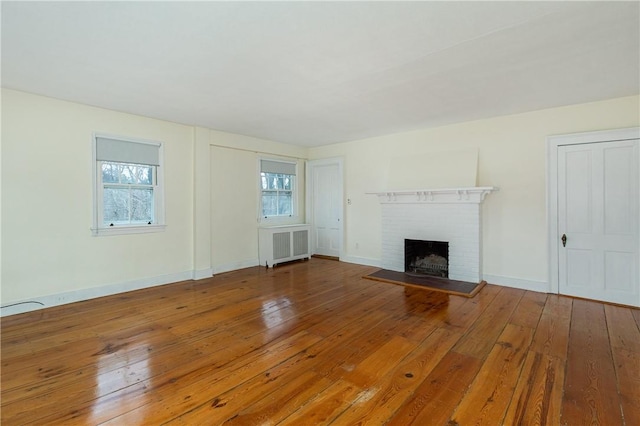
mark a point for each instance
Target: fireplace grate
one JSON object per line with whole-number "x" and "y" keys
{"x": 427, "y": 258}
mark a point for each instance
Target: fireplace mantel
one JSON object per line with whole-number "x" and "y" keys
{"x": 471, "y": 195}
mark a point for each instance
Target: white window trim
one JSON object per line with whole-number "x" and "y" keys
{"x": 279, "y": 220}
{"x": 97, "y": 228}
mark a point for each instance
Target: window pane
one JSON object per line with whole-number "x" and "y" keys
{"x": 284, "y": 204}
{"x": 142, "y": 205}
{"x": 116, "y": 205}
{"x": 281, "y": 179}
{"x": 144, "y": 175}
{"x": 269, "y": 203}
{"x": 110, "y": 172}
{"x": 127, "y": 205}
{"x": 287, "y": 182}
{"x": 272, "y": 181}
{"x": 126, "y": 175}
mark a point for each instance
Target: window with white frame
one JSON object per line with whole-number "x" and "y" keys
{"x": 128, "y": 192}
{"x": 277, "y": 185}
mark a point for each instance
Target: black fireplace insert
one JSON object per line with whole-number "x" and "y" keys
{"x": 426, "y": 257}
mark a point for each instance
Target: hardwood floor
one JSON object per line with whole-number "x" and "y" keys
{"x": 314, "y": 343}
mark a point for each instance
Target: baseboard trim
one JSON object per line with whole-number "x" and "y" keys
{"x": 322, "y": 256}
{"x": 539, "y": 286}
{"x": 361, "y": 261}
{"x": 42, "y": 302}
{"x": 228, "y": 267}
{"x": 202, "y": 274}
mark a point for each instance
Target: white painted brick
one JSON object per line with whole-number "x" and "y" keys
{"x": 458, "y": 224}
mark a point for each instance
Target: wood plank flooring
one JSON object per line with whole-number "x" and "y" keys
{"x": 315, "y": 343}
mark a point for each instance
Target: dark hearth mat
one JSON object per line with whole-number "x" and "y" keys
{"x": 459, "y": 288}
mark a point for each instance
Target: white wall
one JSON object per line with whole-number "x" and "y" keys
{"x": 235, "y": 196}
{"x": 211, "y": 201}
{"x": 48, "y": 252}
{"x": 47, "y": 205}
{"x": 511, "y": 155}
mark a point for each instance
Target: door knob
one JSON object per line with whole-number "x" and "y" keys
{"x": 564, "y": 240}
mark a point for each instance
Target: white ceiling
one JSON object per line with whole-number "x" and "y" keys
{"x": 314, "y": 73}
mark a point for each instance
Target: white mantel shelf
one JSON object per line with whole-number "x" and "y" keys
{"x": 472, "y": 195}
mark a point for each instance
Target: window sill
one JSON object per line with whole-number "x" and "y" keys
{"x": 127, "y": 229}
{"x": 279, "y": 220}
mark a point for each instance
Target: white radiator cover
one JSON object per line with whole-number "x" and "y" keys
{"x": 278, "y": 244}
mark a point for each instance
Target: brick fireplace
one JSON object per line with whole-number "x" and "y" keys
{"x": 451, "y": 215}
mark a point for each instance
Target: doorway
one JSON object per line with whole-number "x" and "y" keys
{"x": 594, "y": 187}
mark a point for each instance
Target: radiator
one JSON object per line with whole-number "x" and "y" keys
{"x": 278, "y": 244}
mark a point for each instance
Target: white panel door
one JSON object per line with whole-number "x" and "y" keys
{"x": 326, "y": 207}
{"x": 598, "y": 188}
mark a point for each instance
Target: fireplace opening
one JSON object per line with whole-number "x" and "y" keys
{"x": 426, "y": 257}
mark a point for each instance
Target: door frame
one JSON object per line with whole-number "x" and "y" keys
{"x": 309, "y": 208}
{"x": 553, "y": 144}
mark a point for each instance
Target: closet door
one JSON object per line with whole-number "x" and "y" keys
{"x": 598, "y": 215}
{"x": 325, "y": 199}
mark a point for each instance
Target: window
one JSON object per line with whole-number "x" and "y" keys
{"x": 128, "y": 194}
{"x": 277, "y": 185}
